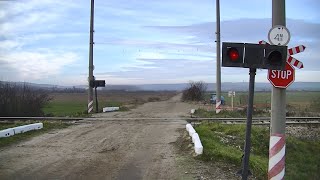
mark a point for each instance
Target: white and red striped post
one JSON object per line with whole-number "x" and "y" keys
{"x": 90, "y": 107}
{"x": 218, "y": 107}
{"x": 277, "y": 149}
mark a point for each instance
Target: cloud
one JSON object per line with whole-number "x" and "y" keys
{"x": 251, "y": 30}
{"x": 137, "y": 41}
{"x": 167, "y": 70}
{"x": 182, "y": 59}
{"x": 28, "y": 65}
{"x": 26, "y": 52}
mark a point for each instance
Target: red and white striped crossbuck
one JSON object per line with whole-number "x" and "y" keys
{"x": 291, "y": 60}
{"x": 296, "y": 50}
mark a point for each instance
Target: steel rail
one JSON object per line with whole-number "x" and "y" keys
{"x": 256, "y": 120}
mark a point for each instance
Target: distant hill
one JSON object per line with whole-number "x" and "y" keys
{"x": 238, "y": 86}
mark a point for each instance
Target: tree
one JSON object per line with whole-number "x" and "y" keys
{"x": 21, "y": 100}
{"x": 195, "y": 91}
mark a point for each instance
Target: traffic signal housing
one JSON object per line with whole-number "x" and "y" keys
{"x": 100, "y": 83}
{"x": 275, "y": 57}
{"x": 97, "y": 83}
{"x": 249, "y": 55}
{"x": 232, "y": 54}
{"x": 254, "y": 55}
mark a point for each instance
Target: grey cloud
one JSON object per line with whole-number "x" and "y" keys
{"x": 171, "y": 69}
{"x": 203, "y": 35}
{"x": 151, "y": 44}
{"x": 249, "y": 29}
{"x": 168, "y": 69}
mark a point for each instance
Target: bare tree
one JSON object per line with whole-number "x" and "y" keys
{"x": 21, "y": 100}
{"x": 195, "y": 91}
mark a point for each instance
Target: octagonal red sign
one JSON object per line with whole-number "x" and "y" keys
{"x": 282, "y": 79}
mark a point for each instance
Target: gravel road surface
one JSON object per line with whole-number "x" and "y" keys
{"x": 105, "y": 149}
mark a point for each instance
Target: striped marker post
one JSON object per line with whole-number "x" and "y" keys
{"x": 90, "y": 106}
{"x": 218, "y": 107}
{"x": 277, "y": 149}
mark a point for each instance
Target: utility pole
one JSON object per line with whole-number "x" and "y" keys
{"x": 91, "y": 78}
{"x": 278, "y": 109}
{"x": 247, "y": 146}
{"x": 218, "y": 74}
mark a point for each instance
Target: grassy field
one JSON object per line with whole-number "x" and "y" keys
{"x": 75, "y": 104}
{"x": 299, "y": 103}
{"x": 300, "y": 98}
{"x": 47, "y": 126}
{"x": 224, "y": 143}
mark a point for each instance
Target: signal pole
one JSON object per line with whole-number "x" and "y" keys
{"x": 218, "y": 70}
{"x": 278, "y": 110}
{"x": 278, "y": 101}
{"x": 90, "y": 78}
{"x": 247, "y": 145}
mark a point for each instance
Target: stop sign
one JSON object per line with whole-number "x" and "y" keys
{"x": 281, "y": 79}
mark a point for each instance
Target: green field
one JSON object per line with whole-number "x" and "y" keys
{"x": 69, "y": 108}
{"x": 293, "y": 97}
{"x": 224, "y": 143}
{"x": 69, "y": 104}
{"x": 297, "y": 99}
{"x": 75, "y": 104}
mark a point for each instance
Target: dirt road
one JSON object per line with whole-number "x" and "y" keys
{"x": 124, "y": 149}
{"x": 111, "y": 148}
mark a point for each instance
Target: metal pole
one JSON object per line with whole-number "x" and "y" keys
{"x": 96, "y": 94}
{"x": 218, "y": 75}
{"x": 90, "y": 78}
{"x": 278, "y": 101}
{"x": 247, "y": 146}
{"x": 278, "y": 98}
{"x": 232, "y": 102}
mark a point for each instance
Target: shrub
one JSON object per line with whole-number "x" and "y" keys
{"x": 21, "y": 100}
{"x": 195, "y": 91}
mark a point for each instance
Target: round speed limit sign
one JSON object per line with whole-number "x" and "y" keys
{"x": 279, "y": 35}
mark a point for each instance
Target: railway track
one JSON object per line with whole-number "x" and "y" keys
{"x": 197, "y": 120}
{"x": 259, "y": 120}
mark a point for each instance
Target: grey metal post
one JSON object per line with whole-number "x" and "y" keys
{"x": 278, "y": 99}
{"x": 232, "y": 101}
{"x": 90, "y": 78}
{"x": 218, "y": 74}
{"x": 245, "y": 162}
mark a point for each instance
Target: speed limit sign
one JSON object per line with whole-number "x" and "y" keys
{"x": 279, "y": 35}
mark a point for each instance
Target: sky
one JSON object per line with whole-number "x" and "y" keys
{"x": 143, "y": 41}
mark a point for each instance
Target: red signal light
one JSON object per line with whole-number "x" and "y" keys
{"x": 233, "y": 54}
